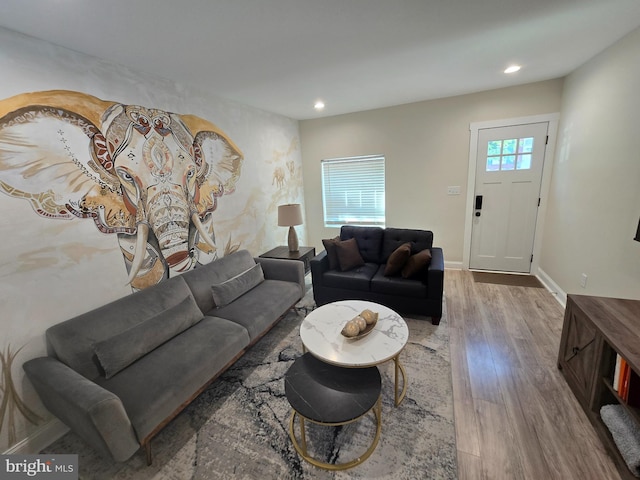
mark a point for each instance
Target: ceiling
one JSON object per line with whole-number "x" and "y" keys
{"x": 283, "y": 55}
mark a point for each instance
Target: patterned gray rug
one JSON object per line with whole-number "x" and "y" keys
{"x": 237, "y": 429}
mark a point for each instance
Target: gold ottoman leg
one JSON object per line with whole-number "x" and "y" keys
{"x": 301, "y": 447}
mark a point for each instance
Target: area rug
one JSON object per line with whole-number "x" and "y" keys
{"x": 510, "y": 279}
{"x": 238, "y": 427}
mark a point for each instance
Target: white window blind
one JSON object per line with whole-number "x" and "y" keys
{"x": 353, "y": 191}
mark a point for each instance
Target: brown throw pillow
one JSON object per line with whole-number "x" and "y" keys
{"x": 348, "y": 254}
{"x": 330, "y": 247}
{"x": 397, "y": 260}
{"x": 416, "y": 263}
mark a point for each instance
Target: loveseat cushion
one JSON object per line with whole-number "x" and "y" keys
{"x": 124, "y": 348}
{"x": 397, "y": 260}
{"x": 416, "y": 264}
{"x": 156, "y": 385}
{"x": 394, "y": 237}
{"x": 369, "y": 240}
{"x": 227, "y": 291}
{"x": 401, "y": 287}
{"x": 330, "y": 246}
{"x": 356, "y": 279}
{"x": 348, "y": 255}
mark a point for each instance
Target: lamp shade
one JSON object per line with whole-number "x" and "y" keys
{"x": 289, "y": 215}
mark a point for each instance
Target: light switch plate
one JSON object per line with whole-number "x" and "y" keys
{"x": 453, "y": 190}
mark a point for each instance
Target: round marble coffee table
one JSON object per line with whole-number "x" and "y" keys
{"x": 320, "y": 335}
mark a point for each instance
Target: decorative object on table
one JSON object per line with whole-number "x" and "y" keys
{"x": 361, "y": 325}
{"x": 290, "y": 215}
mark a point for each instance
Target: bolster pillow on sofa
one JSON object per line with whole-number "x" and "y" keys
{"x": 226, "y": 292}
{"x": 118, "y": 352}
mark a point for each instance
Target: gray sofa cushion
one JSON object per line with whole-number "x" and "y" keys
{"x": 257, "y": 309}
{"x": 227, "y": 291}
{"x": 203, "y": 277}
{"x": 124, "y": 348}
{"x": 72, "y": 341}
{"x": 155, "y": 386}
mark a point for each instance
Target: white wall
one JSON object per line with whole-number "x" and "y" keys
{"x": 426, "y": 146}
{"x": 594, "y": 203}
{"x": 51, "y": 269}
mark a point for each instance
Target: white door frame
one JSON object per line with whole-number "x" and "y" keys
{"x": 553, "y": 119}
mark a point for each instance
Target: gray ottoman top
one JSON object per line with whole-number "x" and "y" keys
{"x": 325, "y": 393}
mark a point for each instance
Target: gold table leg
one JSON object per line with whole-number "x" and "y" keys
{"x": 301, "y": 447}
{"x": 399, "y": 367}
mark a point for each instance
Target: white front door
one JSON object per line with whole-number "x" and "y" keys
{"x": 507, "y": 196}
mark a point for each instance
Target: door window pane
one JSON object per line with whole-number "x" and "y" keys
{"x": 524, "y": 162}
{"x": 509, "y": 146}
{"x": 494, "y": 147}
{"x": 508, "y": 162}
{"x": 493, "y": 164}
{"x": 525, "y": 145}
{"x": 501, "y": 154}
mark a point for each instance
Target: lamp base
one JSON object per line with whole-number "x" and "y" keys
{"x": 292, "y": 240}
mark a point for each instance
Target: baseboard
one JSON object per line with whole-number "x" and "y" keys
{"x": 453, "y": 265}
{"x": 553, "y": 287}
{"x": 40, "y": 439}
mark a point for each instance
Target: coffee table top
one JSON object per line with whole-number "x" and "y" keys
{"x": 320, "y": 334}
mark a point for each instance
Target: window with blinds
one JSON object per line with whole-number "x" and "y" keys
{"x": 353, "y": 191}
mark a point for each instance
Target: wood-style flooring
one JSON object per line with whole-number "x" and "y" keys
{"x": 515, "y": 415}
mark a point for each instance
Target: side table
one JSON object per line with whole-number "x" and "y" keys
{"x": 304, "y": 254}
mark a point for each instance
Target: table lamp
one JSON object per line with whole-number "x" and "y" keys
{"x": 290, "y": 215}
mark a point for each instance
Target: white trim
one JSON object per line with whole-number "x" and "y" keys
{"x": 553, "y": 287}
{"x": 453, "y": 265}
{"x": 39, "y": 439}
{"x": 549, "y": 156}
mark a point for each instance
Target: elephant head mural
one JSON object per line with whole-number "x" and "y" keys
{"x": 151, "y": 177}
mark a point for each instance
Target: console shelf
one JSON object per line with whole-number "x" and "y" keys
{"x": 596, "y": 330}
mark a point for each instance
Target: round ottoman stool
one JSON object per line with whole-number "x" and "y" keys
{"x": 328, "y": 395}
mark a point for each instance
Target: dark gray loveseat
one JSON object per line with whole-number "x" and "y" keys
{"x": 421, "y": 294}
{"x": 118, "y": 374}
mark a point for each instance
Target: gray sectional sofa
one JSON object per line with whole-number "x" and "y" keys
{"x": 118, "y": 374}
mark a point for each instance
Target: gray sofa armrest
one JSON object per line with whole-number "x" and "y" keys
{"x": 285, "y": 270}
{"x": 92, "y": 412}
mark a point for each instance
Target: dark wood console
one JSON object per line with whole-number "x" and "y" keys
{"x": 596, "y": 330}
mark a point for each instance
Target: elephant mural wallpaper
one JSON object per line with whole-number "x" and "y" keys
{"x": 149, "y": 177}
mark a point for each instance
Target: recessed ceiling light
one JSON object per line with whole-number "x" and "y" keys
{"x": 319, "y": 105}
{"x": 512, "y": 69}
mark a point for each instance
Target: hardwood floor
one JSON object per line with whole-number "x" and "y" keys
{"x": 515, "y": 415}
